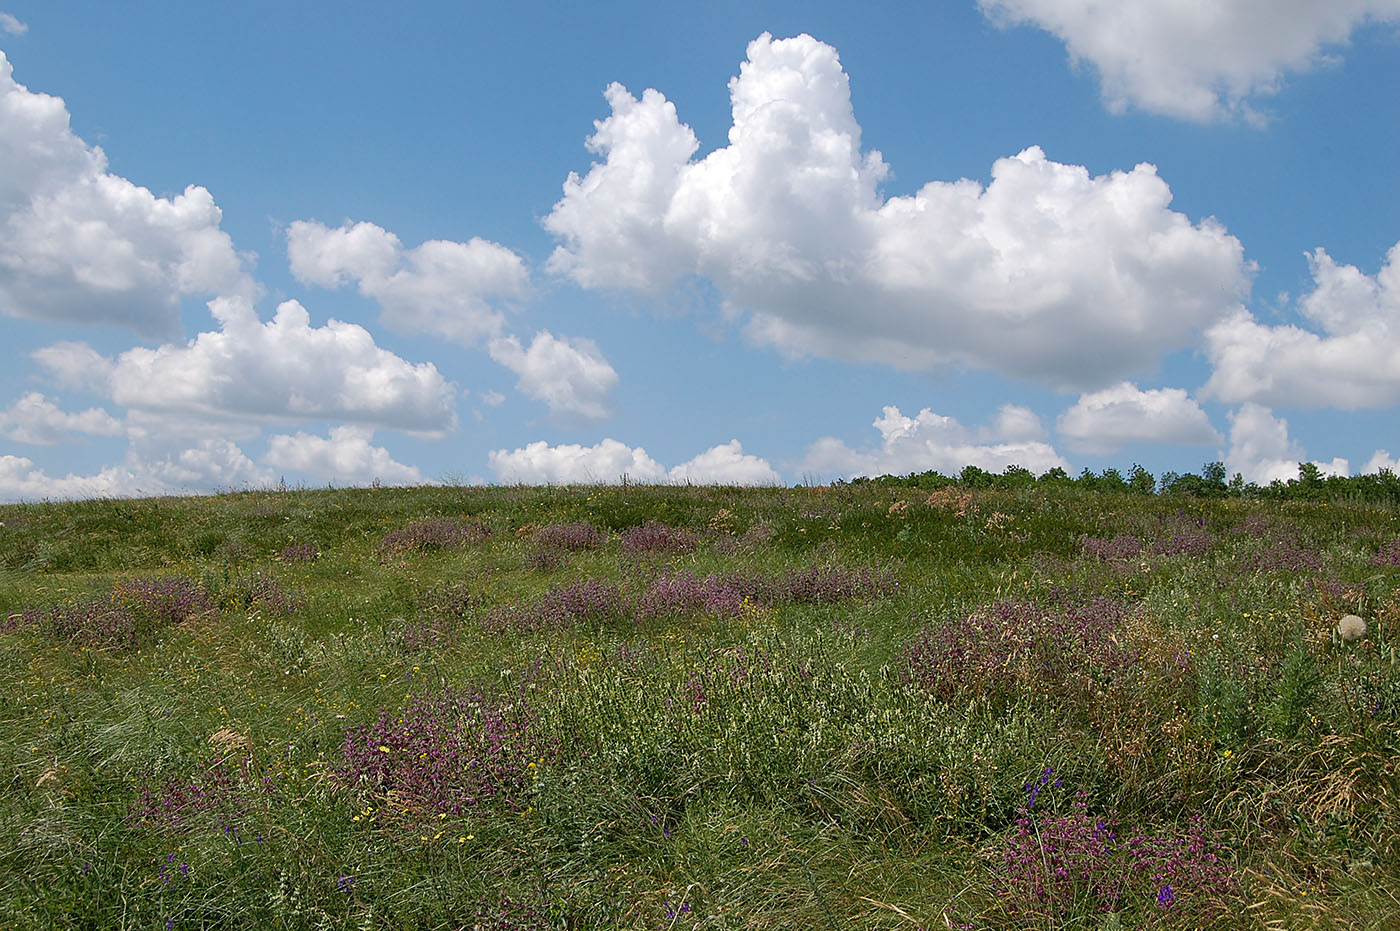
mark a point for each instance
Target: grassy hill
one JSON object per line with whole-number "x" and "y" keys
{"x": 861, "y": 706}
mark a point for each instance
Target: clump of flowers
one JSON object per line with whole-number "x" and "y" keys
{"x": 98, "y": 622}
{"x": 300, "y": 552}
{"x": 165, "y": 600}
{"x": 1015, "y": 645}
{"x": 725, "y": 594}
{"x": 584, "y": 600}
{"x": 1388, "y": 556}
{"x": 121, "y": 617}
{"x": 1119, "y": 546}
{"x": 177, "y": 803}
{"x": 1054, "y": 866}
{"x": 1277, "y": 546}
{"x": 446, "y": 752}
{"x": 260, "y": 592}
{"x": 434, "y": 533}
{"x": 827, "y": 584}
{"x": 576, "y": 536}
{"x": 440, "y": 613}
{"x": 657, "y": 539}
{"x": 680, "y": 593}
{"x": 1281, "y": 555}
{"x": 508, "y": 915}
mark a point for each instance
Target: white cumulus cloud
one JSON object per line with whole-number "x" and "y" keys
{"x": 539, "y": 463}
{"x": 1104, "y": 421}
{"x": 571, "y": 464}
{"x": 284, "y": 370}
{"x": 1262, "y": 451}
{"x": 725, "y": 464}
{"x": 1046, "y": 273}
{"x": 930, "y": 441}
{"x": 22, "y": 480}
{"x": 1353, "y": 363}
{"x": 208, "y": 465}
{"x": 1381, "y": 459}
{"x": 452, "y": 289}
{"x": 571, "y": 376}
{"x": 81, "y": 245}
{"x": 1196, "y": 61}
{"x": 346, "y": 456}
{"x": 36, "y": 420}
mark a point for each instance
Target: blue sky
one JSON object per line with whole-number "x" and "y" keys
{"x": 332, "y": 243}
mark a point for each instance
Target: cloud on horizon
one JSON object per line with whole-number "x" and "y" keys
{"x": 933, "y": 442}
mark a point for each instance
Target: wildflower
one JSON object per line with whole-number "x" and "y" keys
{"x": 1165, "y": 897}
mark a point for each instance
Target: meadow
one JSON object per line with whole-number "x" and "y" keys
{"x": 873, "y": 705}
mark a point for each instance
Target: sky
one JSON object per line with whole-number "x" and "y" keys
{"x": 332, "y": 244}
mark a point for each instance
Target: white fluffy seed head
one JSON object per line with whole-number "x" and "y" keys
{"x": 1351, "y": 628}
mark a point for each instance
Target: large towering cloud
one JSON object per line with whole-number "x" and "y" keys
{"x": 81, "y": 245}
{"x": 451, "y": 289}
{"x": 1046, "y": 273}
{"x": 1197, "y": 61}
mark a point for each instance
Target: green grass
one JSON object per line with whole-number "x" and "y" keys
{"x": 774, "y": 765}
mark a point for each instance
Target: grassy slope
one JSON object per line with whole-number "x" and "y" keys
{"x": 768, "y": 767}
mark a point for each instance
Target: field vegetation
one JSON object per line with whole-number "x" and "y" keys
{"x": 975, "y": 702}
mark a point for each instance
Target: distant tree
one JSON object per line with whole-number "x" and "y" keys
{"x": 1112, "y": 480}
{"x": 1141, "y": 481}
{"x": 973, "y": 477}
{"x": 1213, "y": 479}
{"x": 1017, "y": 477}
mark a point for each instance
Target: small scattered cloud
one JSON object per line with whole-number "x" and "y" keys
{"x": 36, "y": 420}
{"x": 1047, "y": 273}
{"x": 282, "y": 370}
{"x": 79, "y": 245}
{"x": 1353, "y": 363}
{"x": 1196, "y": 61}
{"x": 345, "y": 457}
{"x": 930, "y": 441}
{"x": 571, "y": 376}
{"x": 1102, "y": 422}
{"x": 12, "y": 26}
{"x": 457, "y": 290}
{"x": 1381, "y": 459}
